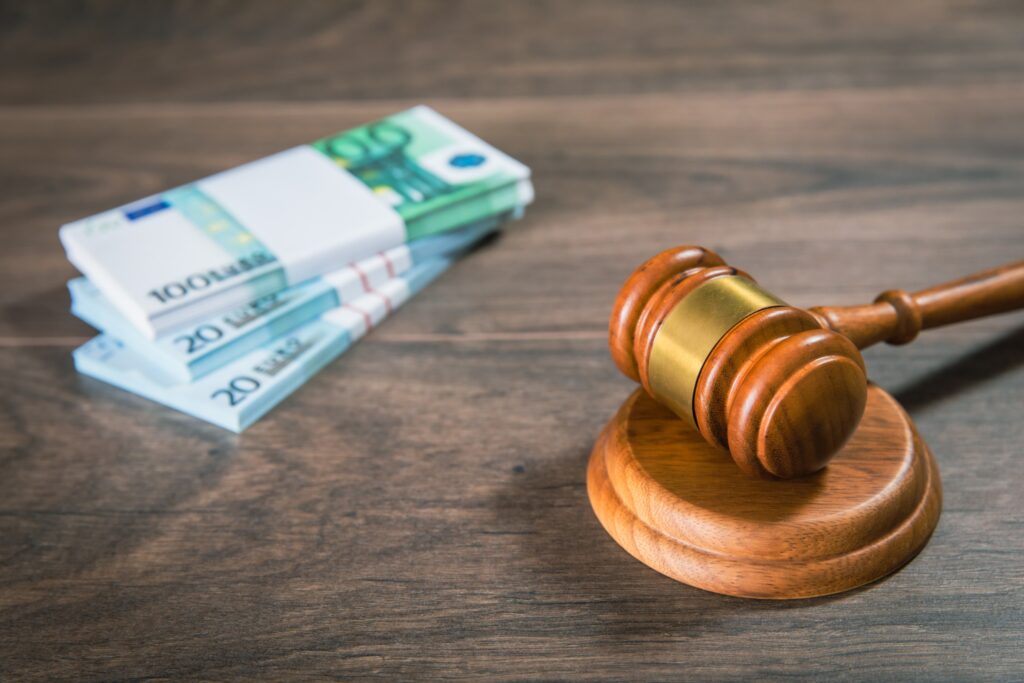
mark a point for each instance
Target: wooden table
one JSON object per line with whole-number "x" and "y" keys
{"x": 418, "y": 509}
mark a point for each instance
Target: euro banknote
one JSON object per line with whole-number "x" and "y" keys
{"x": 180, "y": 256}
{"x": 189, "y": 353}
{"x": 240, "y": 392}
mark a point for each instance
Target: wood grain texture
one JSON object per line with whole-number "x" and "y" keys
{"x": 782, "y": 389}
{"x": 773, "y": 385}
{"x": 418, "y": 510}
{"x": 658, "y": 276}
{"x": 677, "y": 505}
{"x": 897, "y": 316}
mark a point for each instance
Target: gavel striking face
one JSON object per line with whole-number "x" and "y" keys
{"x": 781, "y": 388}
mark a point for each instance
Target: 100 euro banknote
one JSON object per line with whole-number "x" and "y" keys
{"x": 180, "y": 256}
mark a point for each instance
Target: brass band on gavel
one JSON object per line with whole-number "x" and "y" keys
{"x": 691, "y": 331}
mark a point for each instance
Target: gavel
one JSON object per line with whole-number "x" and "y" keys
{"x": 779, "y": 387}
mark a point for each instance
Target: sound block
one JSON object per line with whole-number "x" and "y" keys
{"x": 683, "y": 508}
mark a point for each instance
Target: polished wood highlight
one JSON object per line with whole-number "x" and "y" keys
{"x": 780, "y": 388}
{"x": 897, "y": 317}
{"x": 418, "y": 510}
{"x": 646, "y": 297}
{"x": 668, "y": 498}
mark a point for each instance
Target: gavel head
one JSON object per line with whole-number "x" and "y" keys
{"x": 769, "y": 382}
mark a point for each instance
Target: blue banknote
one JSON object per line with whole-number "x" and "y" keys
{"x": 238, "y": 393}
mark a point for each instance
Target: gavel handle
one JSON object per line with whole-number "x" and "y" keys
{"x": 896, "y": 316}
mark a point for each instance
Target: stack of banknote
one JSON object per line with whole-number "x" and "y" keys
{"x": 221, "y": 297}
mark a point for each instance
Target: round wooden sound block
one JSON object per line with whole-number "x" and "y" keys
{"x": 682, "y": 507}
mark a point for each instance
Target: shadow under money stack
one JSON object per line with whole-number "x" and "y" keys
{"x": 221, "y": 297}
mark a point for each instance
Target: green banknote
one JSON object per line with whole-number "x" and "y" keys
{"x": 435, "y": 174}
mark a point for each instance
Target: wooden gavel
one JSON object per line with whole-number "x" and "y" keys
{"x": 781, "y": 388}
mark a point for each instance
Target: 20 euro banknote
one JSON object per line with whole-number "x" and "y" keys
{"x": 240, "y": 392}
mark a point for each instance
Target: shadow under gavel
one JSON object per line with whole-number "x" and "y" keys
{"x": 779, "y": 387}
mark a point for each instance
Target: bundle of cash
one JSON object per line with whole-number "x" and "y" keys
{"x": 221, "y": 297}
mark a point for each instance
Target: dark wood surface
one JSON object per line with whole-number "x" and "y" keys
{"x": 418, "y": 509}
